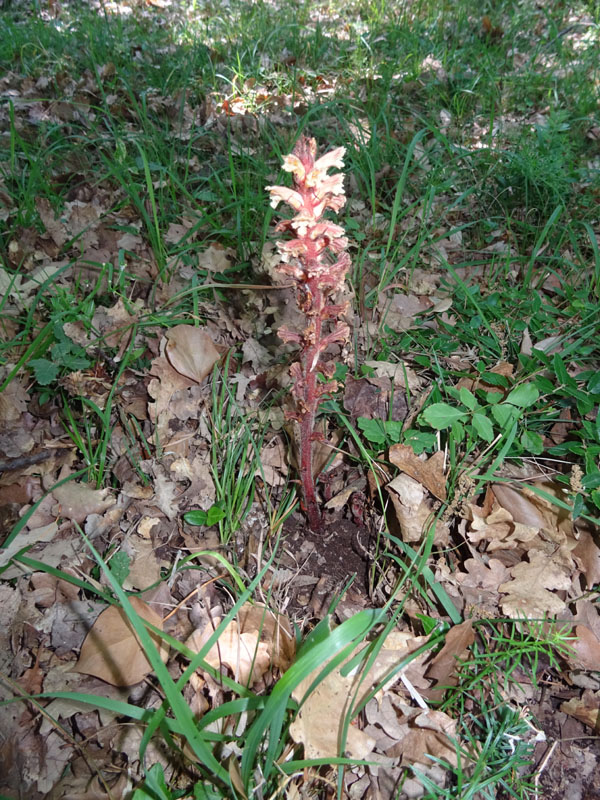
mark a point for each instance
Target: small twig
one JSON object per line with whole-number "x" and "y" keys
{"x": 543, "y": 766}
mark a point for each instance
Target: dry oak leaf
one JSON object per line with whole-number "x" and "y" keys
{"x": 429, "y": 733}
{"x": 479, "y": 584}
{"x": 191, "y": 351}
{"x": 252, "y": 643}
{"x": 111, "y": 650}
{"x": 500, "y": 531}
{"x": 77, "y": 500}
{"x": 429, "y": 472}
{"x": 528, "y": 592}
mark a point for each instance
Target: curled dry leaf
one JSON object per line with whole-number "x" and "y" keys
{"x": 251, "y": 644}
{"x": 586, "y": 709}
{"x": 521, "y": 509}
{"x": 443, "y": 667}
{"x": 429, "y": 472}
{"x": 191, "y": 351}
{"x": 414, "y": 511}
{"x": 500, "y": 531}
{"x": 111, "y": 650}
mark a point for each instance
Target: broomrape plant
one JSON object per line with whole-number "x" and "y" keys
{"x": 314, "y": 257}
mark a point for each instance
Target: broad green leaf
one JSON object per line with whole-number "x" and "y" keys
{"x": 420, "y": 441}
{"x": 196, "y": 517}
{"x": 532, "y": 443}
{"x": 483, "y": 426}
{"x": 523, "y": 396}
{"x": 504, "y": 414}
{"x": 45, "y": 371}
{"x": 372, "y": 430}
{"x": 591, "y": 480}
{"x": 441, "y": 416}
{"x": 215, "y": 514}
{"x": 467, "y": 398}
{"x": 494, "y": 379}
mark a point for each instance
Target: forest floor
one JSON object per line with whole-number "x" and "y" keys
{"x": 170, "y": 627}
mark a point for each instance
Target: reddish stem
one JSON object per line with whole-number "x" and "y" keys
{"x": 311, "y": 401}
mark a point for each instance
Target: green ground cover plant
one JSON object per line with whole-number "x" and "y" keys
{"x": 147, "y": 329}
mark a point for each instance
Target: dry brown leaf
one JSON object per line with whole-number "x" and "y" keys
{"x": 111, "y": 650}
{"x": 273, "y": 460}
{"x": 191, "y": 351}
{"x": 586, "y": 648}
{"x": 144, "y": 566}
{"x": 443, "y": 667}
{"x": 528, "y": 592}
{"x": 520, "y": 508}
{"x": 429, "y": 472}
{"x": 587, "y": 556}
{"x": 500, "y": 531}
{"x": 586, "y": 709}
{"x": 321, "y": 714}
{"x": 77, "y": 500}
{"x": 256, "y": 641}
{"x": 26, "y": 538}
{"x": 429, "y": 733}
{"x": 479, "y": 585}
{"x": 414, "y": 511}
{"x": 401, "y": 375}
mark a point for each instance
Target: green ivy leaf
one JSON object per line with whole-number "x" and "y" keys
{"x": 441, "y": 416}
{"x": 523, "y": 396}
{"x": 484, "y": 427}
{"x": 45, "y": 371}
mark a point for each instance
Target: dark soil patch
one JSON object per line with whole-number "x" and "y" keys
{"x": 326, "y": 563}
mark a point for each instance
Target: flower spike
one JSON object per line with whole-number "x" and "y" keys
{"x": 315, "y": 258}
